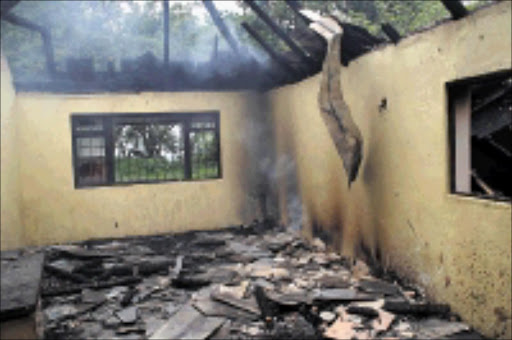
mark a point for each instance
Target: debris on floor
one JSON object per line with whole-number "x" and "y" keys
{"x": 254, "y": 282}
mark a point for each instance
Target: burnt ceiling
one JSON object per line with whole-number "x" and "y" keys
{"x": 148, "y": 73}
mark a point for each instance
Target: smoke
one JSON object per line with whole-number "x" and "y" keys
{"x": 270, "y": 174}
{"x": 109, "y": 32}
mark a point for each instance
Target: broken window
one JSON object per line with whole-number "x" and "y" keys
{"x": 481, "y": 135}
{"x": 145, "y": 148}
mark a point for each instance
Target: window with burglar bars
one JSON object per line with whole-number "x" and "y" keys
{"x": 145, "y": 148}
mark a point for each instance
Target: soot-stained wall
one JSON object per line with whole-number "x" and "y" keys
{"x": 400, "y": 208}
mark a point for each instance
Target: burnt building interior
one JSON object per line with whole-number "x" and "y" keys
{"x": 257, "y": 280}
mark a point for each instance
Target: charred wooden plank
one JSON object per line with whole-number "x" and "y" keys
{"x": 127, "y": 298}
{"x": 95, "y": 285}
{"x": 277, "y": 58}
{"x": 221, "y": 26}
{"x": 391, "y": 32}
{"x": 456, "y": 8}
{"x": 281, "y": 34}
{"x": 7, "y": 5}
{"x": 65, "y": 274}
{"x": 45, "y": 35}
{"x": 267, "y": 307}
{"x": 399, "y": 307}
{"x": 296, "y": 7}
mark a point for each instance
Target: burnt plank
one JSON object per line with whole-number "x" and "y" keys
{"x": 19, "y": 285}
{"x": 188, "y": 323}
{"x": 277, "y": 58}
{"x": 456, "y": 8}
{"x": 281, "y": 33}
{"x": 45, "y": 36}
{"x": 391, "y": 32}
{"x": 221, "y": 26}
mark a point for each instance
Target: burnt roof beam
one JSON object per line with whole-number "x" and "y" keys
{"x": 391, "y": 32}
{"x": 221, "y": 26}
{"x": 456, "y": 8}
{"x": 276, "y": 57}
{"x": 45, "y": 35}
{"x": 282, "y": 34}
{"x": 296, "y": 7}
{"x": 7, "y": 5}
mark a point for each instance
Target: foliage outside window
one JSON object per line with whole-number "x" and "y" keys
{"x": 145, "y": 148}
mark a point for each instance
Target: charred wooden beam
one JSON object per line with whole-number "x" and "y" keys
{"x": 276, "y": 57}
{"x": 498, "y": 147}
{"x": 391, "y": 33}
{"x": 456, "y": 8}
{"x": 481, "y": 183}
{"x": 221, "y": 26}
{"x": 493, "y": 97}
{"x": 64, "y": 274}
{"x": 296, "y": 7}
{"x": 7, "y": 5}
{"x": 282, "y": 34}
{"x": 45, "y": 35}
{"x": 74, "y": 289}
{"x": 166, "y": 32}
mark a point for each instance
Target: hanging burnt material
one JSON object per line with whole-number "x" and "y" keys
{"x": 336, "y": 113}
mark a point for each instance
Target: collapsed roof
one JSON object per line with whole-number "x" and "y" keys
{"x": 227, "y": 71}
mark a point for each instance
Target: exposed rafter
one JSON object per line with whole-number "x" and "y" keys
{"x": 7, "y": 5}
{"x": 45, "y": 35}
{"x": 282, "y": 35}
{"x": 221, "y": 26}
{"x": 391, "y": 32}
{"x": 456, "y": 8}
{"x": 296, "y": 7}
{"x": 276, "y": 57}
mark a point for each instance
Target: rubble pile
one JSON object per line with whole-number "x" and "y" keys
{"x": 255, "y": 282}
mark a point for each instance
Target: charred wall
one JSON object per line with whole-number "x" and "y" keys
{"x": 400, "y": 209}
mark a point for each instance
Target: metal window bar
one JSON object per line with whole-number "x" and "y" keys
{"x": 127, "y": 138}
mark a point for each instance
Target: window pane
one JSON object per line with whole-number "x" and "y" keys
{"x": 203, "y": 124}
{"x": 88, "y": 124}
{"x": 146, "y": 152}
{"x": 91, "y": 167}
{"x": 205, "y": 159}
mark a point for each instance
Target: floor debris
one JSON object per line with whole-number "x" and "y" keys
{"x": 250, "y": 282}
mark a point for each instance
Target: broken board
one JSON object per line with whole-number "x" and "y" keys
{"x": 188, "y": 323}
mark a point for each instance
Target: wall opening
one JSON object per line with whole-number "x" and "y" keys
{"x": 145, "y": 148}
{"x": 480, "y": 134}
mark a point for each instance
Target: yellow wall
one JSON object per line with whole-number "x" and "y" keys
{"x": 54, "y": 211}
{"x": 11, "y": 229}
{"x": 400, "y": 207}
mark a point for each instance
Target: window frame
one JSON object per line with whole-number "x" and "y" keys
{"x": 108, "y": 119}
{"x": 455, "y": 90}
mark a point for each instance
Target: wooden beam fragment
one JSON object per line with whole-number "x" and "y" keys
{"x": 391, "y": 32}
{"x": 281, "y": 34}
{"x": 456, "y": 8}
{"x": 277, "y": 58}
{"x": 296, "y": 7}
{"x": 497, "y": 94}
{"x": 45, "y": 35}
{"x": 221, "y": 26}
{"x": 481, "y": 183}
{"x": 7, "y": 5}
